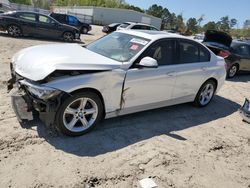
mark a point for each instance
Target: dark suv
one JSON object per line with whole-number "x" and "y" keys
{"x": 71, "y": 20}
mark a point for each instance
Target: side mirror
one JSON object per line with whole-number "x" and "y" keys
{"x": 148, "y": 62}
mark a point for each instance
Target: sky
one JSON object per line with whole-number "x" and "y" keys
{"x": 212, "y": 9}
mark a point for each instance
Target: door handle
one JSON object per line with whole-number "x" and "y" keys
{"x": 171, "y": 73}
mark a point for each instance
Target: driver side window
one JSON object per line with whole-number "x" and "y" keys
{"x": 162, "y": 51}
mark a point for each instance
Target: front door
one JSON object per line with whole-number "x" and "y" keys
{"x": 243, "y": 51}
{"x": 146, "y": 87}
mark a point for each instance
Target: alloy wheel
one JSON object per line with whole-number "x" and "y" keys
{"x": 232, "y": 71}
{"x": 80, "y": 114}
{"x": 67, "y": 36}
{"x": 207, "y": 94}
{"x": 14, "y": 31}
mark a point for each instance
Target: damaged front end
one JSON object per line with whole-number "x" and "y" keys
{"x": 31, "y": 97}
{"x": 245, "y": 111}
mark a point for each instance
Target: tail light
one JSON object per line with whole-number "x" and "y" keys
{"x": 224, "y": 54}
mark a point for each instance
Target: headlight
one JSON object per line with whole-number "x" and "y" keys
{"x": 41, "y": 92}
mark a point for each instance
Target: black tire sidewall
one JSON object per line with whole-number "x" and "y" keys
{"x": 83, "y": 28}
{"x": 59, "y": 115}
{"x": 197, "y": 98}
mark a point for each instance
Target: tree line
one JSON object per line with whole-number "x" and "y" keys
{"x": 170, "y": 21}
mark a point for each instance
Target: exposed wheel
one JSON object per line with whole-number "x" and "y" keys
{"x": 14, "y": 31}
{"x": 68, "y": 36}
{"x": 84, "y": 30}
{"x": 232, "y": 71}
{"x": 79, "y": 114}
{"x": 205, "y": 94}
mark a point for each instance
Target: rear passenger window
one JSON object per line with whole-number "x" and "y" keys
{"x": 204, "y": 54}
{"x": 190, "y": 52}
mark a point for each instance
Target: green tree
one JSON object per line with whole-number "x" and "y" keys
{"x": 246, "y": 24}
{"x": 25, "y": 2}
{"x": 160, "y": 12}
{"x": 210, "y": 26}
{"x": 192, "y": 26}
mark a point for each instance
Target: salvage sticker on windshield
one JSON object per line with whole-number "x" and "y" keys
{"x": 134, "y": 47}
{"x": 139, "y": 41}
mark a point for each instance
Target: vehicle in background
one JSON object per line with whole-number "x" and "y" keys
{"x": 71, "y": 20}
{"x": 121, "y": 73}
{"x": 110, "y": 28}
{"x": 18, "y": 23}
{"x": 136, "y": 26}
{"x": 235, "y": 53}
{"x": 199, "y": 37}
{"x": 170, "y": 31}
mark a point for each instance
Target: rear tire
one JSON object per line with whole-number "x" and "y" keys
{"x": 232, "y": 71}
{"x": 205, "y": 94}
{"x": 84, "y": 30}
{"x": 68, "y": 36}
{"x": 79, "y": 114}
{"x": 14, "y": 31}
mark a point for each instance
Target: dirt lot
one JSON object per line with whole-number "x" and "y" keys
{"x": 179, "y": 146}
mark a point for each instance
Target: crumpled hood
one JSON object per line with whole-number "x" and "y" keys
{"x": 37, "y": 62}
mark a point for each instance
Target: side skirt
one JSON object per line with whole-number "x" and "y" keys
{"x": 151, "y": 106}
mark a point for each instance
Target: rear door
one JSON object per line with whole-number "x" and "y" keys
{"x": 47, "y": 27}
{"x": 243, "y": 51}
{"x": 192, "y": 69}
{"x": 27, "y": 20}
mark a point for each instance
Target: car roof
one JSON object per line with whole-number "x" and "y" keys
{"x": 152, "y": 35}
{"x": 30, "y": 12}
{"x": 135, "y": 23}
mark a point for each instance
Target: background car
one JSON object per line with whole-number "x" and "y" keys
{"x": 110, "y": 28}
{"x": 19, "y": 23}
{"x": 71, "y": 20}
{"x": 236, "y": 53}
{"x": 199, "y": 37}
{"x": 135, "y": 25}
{"x": 121, "y": 73}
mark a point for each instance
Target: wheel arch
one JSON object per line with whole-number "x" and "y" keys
{"x": 214, "y": 80}
{"x": 88, "y": 89}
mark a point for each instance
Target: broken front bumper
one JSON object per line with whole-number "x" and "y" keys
{"x": 26, "y": 105}
{"x": 245, "y": 111}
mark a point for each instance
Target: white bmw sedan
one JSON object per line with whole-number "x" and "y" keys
{"x": 73, "y": 87}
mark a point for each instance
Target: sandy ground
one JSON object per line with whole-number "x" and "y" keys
{"x": 179, "y": 146}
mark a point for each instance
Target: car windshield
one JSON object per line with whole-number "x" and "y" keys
{"x": 118, "y": 46}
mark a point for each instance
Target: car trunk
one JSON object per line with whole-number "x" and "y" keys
{"x": 217, "y": 41}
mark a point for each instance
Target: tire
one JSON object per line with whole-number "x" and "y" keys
{"x": 79, "y": 114}
{"x": 84, "y": 30}
{"x": 68, "y": 36}
{"x": 14, "y": 30}
{"x": 205, "y": 94}
{"x": 232, "y": 71}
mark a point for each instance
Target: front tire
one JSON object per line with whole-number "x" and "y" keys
{"x": 205, "y": 94}
{"x": 79, "y": 114}
{"x": 14, "y": 31}
{"x": 68, "y": 36}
